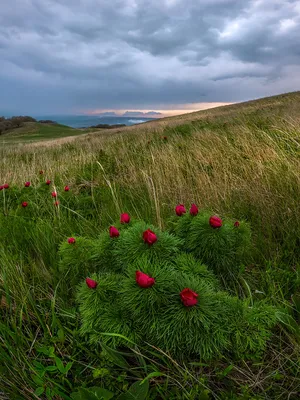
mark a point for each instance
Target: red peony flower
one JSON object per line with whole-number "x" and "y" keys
{"x": 41, "y": 172}
{"x": 27, "y": 184}
{"x": 91, "y": 283}
{"x": 6, "y": 186}
{"x": 149, "y": 237}
{"x": 67, "y": 188}
{"x": 180, "y": 210}
{"x": 54, "y": 194}
{"x": 48, "y": 182}
{"x": 71, "y": 240}
{"x": 188, "y": 297}
{"x": 113, "y": 232}
{"x": 236, "y": 224}
{"x": 1, "y": 187}
{"x": 215, "y": 222}
{"x": 24, "y": 204}
{"x": 144, "y": 280}
{"x": 56, "y": 203}
{"x": 194, "y": 210}
{"x": 125, "y": 218}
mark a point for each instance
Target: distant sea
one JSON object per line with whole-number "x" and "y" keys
{"x": 83, "y": 121}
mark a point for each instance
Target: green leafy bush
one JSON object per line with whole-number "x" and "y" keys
{"x": 152, "y": 291}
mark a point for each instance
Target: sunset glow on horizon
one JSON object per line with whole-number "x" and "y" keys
{"x": 170, "y": 111}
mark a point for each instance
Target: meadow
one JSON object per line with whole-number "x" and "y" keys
{"x": 240, "y": 162}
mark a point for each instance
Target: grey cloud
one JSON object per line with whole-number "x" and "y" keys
{"x": 64, "y": 56}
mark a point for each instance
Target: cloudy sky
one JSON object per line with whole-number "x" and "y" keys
{"x": 76, "y": 56}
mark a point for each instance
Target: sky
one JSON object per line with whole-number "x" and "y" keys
{"x": 89, "y": 56}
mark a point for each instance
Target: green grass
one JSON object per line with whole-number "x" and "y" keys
{"x": 241, "y": 161}
{"x": 34, "y": 132}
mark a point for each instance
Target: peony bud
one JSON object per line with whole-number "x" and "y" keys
{"x": 144, "y": 280}
{"x": 194, "y": 210}
{"x": 71, "y": 240}
{"x": 56, "y": 203}
{"x": 24, "y": 204}
{"x": 113, "y": 232}
{"x": 180, "y": 210}
{"x": 215, "y": 222}
{"x": 125, "y": 218}
{"x": 48, "y": 182}
{"x": 54, "y": 194}
{"x": 149, "y": 237}
{"x": 236, "y": 224}
{"x": 27, "y": 184}
{"x": 91, "y": 283}
{"x": 6, "y": 186}
{"x": 67, "y": 188}
{"x": 188, "y": 297}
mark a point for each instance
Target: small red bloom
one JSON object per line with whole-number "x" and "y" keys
{"x": 91, "y": 283}
{"x": 41, "y": 172}
{"x": 215, "y": 222}
{"x": 48, "y": 182}
{"x": 6, "y": 186}
{"x": 144, "y": 280}
{"x": 149, "y": 237}
{"x": 194, "y": 210}
{"x": 1, "y": 187}
{"x": 125, "y": 218}
{"x": 54, "y": 194}
{"x": 24, "y": 204}
{"x": 27, "y": 184}
{"x": 56, "y": 203}
{"x": 236, "y": 224}
{"x": 67, "y": 188}
{"x": 188, "y": 297}
{"x": 180, "y": 210}
{"x": 71, "y": 240}
{"x": 113, "y": 232}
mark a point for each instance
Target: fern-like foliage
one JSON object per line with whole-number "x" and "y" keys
{"x": 102, "y": 312}
{"x": 131, "y": 245}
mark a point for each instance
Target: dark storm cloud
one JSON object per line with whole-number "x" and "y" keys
{"x": 69, "y": 55}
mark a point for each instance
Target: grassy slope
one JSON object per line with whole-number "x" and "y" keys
{"x": 35, "y": 132}
{"x": 240, "y": 160}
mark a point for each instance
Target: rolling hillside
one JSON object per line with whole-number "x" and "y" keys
{"x": 238, "y": 162}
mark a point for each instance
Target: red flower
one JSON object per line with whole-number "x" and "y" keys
{"x": 91, "y": 283}
{"x": 67, "y": 188}
{"x": 236, "y": 224}
{"x": 194, "y": 210}
{"x": 113, "y": 232}
{"x": 149, "y": 237}
{"x": 41, "y": 172}
{"x": 71, "y": 240}
{"x": 1, "y": 187}
{"x": 27, "y": 184}
{"x": 24, "y": 204}
{"x": 180, "y": 210}
{"x": 188, "y": 297}
{"x": 144, "y": 280}
{"x": 125, "y": 218}
{"x": 48, "y": 182}
{"x": 215, "y": 222}
{"x": 6, "y": 186}
{"x": 56, "y": 203}
{"x": 54, "y": 194}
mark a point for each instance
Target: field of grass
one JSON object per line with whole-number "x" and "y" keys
{"x": 35, "y": 132}
{"x": 240, "y": 161}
